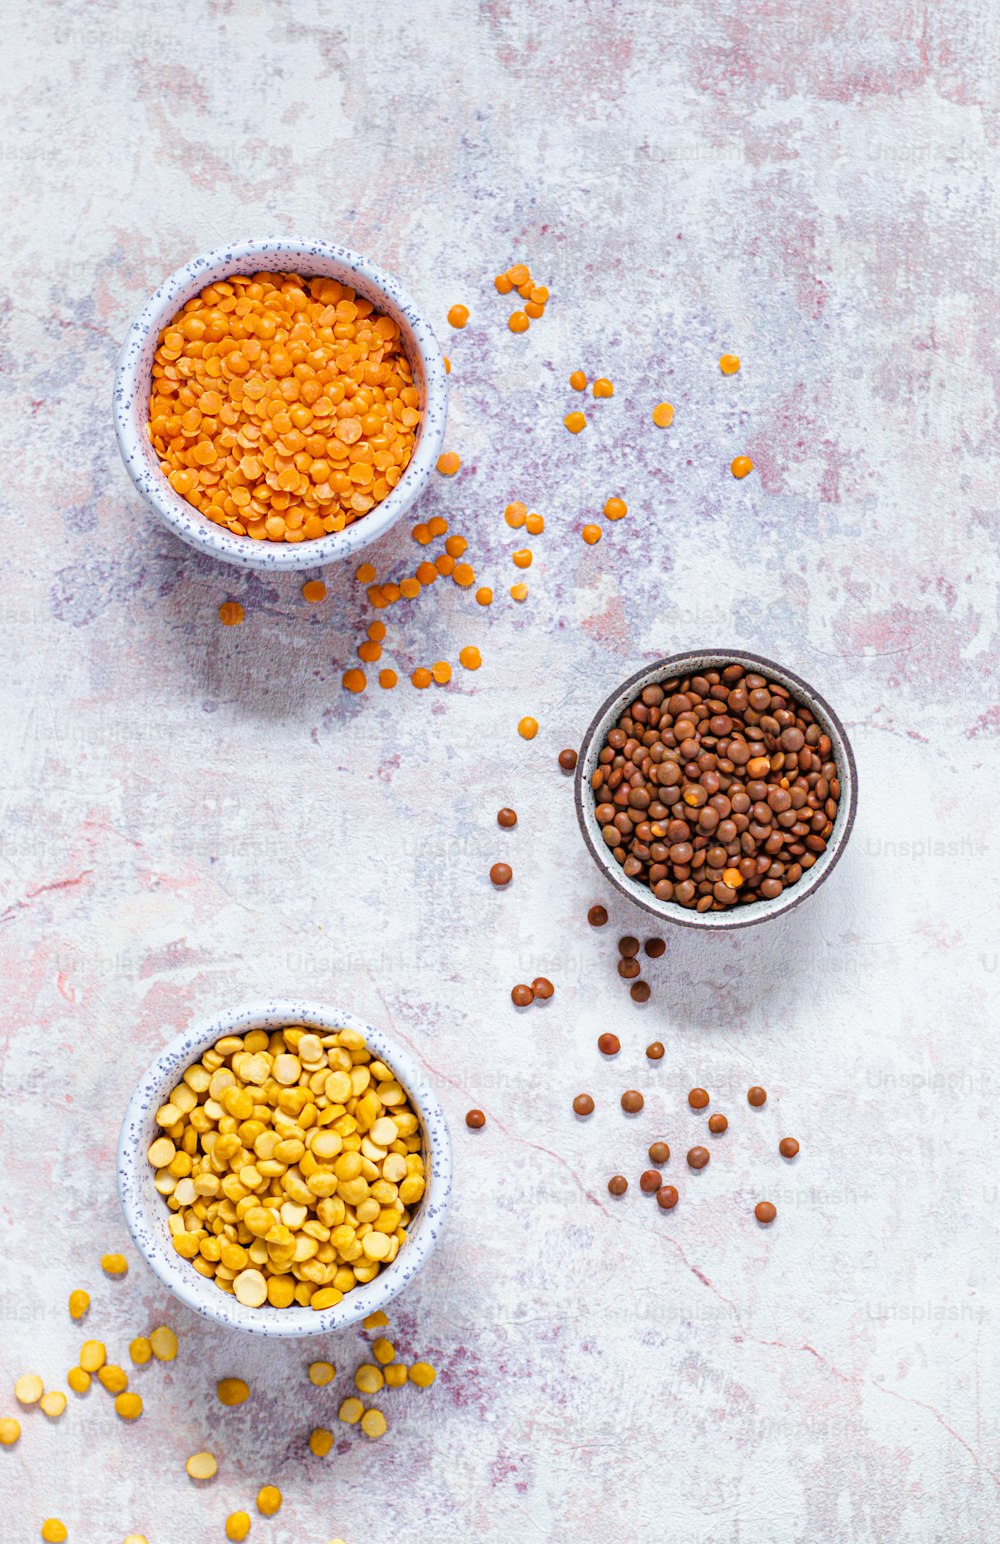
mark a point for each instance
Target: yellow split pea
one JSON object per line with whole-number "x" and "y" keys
{"x": 283, "y": 408}
{"x": 291, "y": 1162}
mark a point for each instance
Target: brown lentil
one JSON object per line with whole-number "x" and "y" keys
{"x": 632, "y": 1101}
{"x": 583, "y": 1104}
{"x": 655, "y": 1051}
{"x": 628, "y": 947}
{"x": 697, "y": 1098}
{"x": 716, "y": 790}
{"x": 617, "y": 1184}
{"x": 659, "y": 1152}
{"x": 698, "y": 1157}
{"x": 567, "y": 760}
{"x": 649, "y": 1181}
{"x": 654, "y": 947}
{"x": 666, "y": 1197}
{"x": 765, "y": 1212}
{"x": 628, "y": 968}
{"x": 788, "y": 1147}
{"x": 542, "y": 988}
{"x": 521, "y": 995}
{"x": 756, "y": 1096}
{"x": 475, "y": 1120}
{"x": 501, "y": 874}
{"x": 597, "y": 916}
{"x": 506, "y": 818}
{"x": 609, "y": 1045}
{"x": 717, "y": 1124}
{"x": 640, "y": 992}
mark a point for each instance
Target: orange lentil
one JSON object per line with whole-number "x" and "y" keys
{"x": 437, "y": 525}
{"x": 575, "y": 422}
{"x": 445, "y": 565}
{"x": 409, "y": 588}
{"x": 519, "y": 274}
{"x": 447, "y": 364}
{"x": 464, "y": 575}
{"x": 422, "y": 534}
{"x": 528, "y": 728}
{"x": 603, "y": 387}
{"x": 390, "y": 593}
{"x": 522, "y": 558}
{"x": 515, "y": 515}
{"x": 524, "y": 290}
{"x": 591, "y": 534}
{"x": 365, "y": 574}
{"x": 426, "y": 573}
{"x": 455, "y": 546}
{"x": 729, "y": 364}
{"x": 448, "y": 463}
{"x": 458, "y": 316}
{"x": 421, "y": 677}
{"x": 282, "y": 407}
{"x": 534, "y": 525}
{"x": 484, "y": 597}
{"x": 533, "y": 309}
{"x": 518, "y": 322}
{"x": 519, "y": 591}
{"x": 578, "y": 381}
{"x": 376, "y": 598}
{"x": 369, "y": 652}
{"x": 441, "y": 671}
{"x": 387, "y": 678}
{"x": 502, "y": 284}
{"x": 741, "y": 466}
{"x": 539, "y": 294}
{"x": 355, "y": 680}
{"x": 376, "y": 631}
{"x": 615, "y": 509}
{"x": 470, "y": 657}
{"x": 663, "y": 415}
{"x": 313, "y": 590}
{"x": 231, "y": 613}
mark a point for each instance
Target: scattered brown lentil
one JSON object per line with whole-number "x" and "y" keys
{"x": 765, "y": 1212}
{"x": 717, "y": 1124}
{"x": 632, "y": 1101}
{"x": 521, "y": 995}
{"x": 628, "y": 947}
{"x": 756, "y": 1096}
{"x": 597, "y": 916}
{"x": 617, "y": 1184}
{"x": 475, "y": 1120}
{"x": 542, "y": 988}
{"x": 506, "y": 818}
{"x": 655, "y": 1051}
{"x": 698, "y": 1157}
{"x": 666, "y": 1197}
{"x": 788, "y": 1147}
{"x": 608, "y": 1045}
{"x": 640, "y": 991}
{"x": 654, "y": 947}
{"x": 697, "y": 1098}
{"x": 501, "y": 874}
{"x": 628, "y": 968}
{"x": 583, "y": 1104}
{"x": 659, "y": 1153}
{"x": 567, "y": 760}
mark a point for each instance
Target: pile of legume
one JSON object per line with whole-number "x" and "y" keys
{"x": 716, "y": 790}
{"x": 282, "y": 407}
{"x": 291, "y": 1163}
{"x": 535, "y": 296}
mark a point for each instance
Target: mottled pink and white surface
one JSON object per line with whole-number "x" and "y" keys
{"x": 194, "y": 816}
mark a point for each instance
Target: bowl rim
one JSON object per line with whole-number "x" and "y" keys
{"x": 176, "y": 1274}
{"x": 666, "y": 911}
{"x": 183, "y": 519}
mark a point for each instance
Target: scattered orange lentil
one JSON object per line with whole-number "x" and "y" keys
{"x": 282, "y": 407}
{"x": 534, "y": 524}
{"x": 437, "y": 525}
{"x": 355, "y": 680}
{"x": 376, "y": 632}
{"x": 522, "y": 558}
{"x": 603, "y": 387}
{"x": 591, "y": 534}
{"x": 426, "y": 573}
{"x": 313, "y": 590}
{"x": 390, "y": 593}
{"x": 741, "y": 466}
{"x": 615, "y": 509}
{"x": 729, "y": 364}
{"x": 458, "y": 316}
{"x": 519, "y": 273}
{"x": 455, "y": 546}
{"x": 448, "y": 463}
{"x": 447, "y": 364}
{"x": 518, "y": 322}
{"x": 365, "y": 574}
{"x": 519, "y": 591}
{"x": 441, "y": 671}
{"x": 578, "y": 380}
{"x": 533, "y": 310}
{"x": 575, "y": 422}
{"x": 539, "y": 294}
{"x": 515, "y": 515}
{"x": 370, "y": 652}
{"x": 524, "y": 290}
{"x": 663, "y": 415}
{"x": 502, "y": 284}
{"x": 484, "y": 597}
{"x": 376, "y": 597}
{"x": 445, "y": 564}
{"x": 464, "y": 575}
{"x": 387, "y": 678}
{"x": 409, "y": 588}
{"x": 231, "y": 613}
{"x": 422, "y": 534}
{"x": 528, "y": 728}
{"x": 469, "y": 657}
{"x": 421, "y": 677}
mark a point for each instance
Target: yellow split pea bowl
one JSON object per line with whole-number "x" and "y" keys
{"x": 310, "y": 259}
{"x": 148, "y": 1215}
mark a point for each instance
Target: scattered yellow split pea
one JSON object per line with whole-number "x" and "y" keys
{"x": 79, "y": 1302}
{"x": 140, "y": 1351}
{"x": 269, "y": 1500}
{"x": 663, "y": 415}
{"x": 93, "y": 1355}
{"x": 78, "y": 1380}
{"x": 116, "y": 1264}
{"x": 575, "y": 422}
{"x": 352, "y": 681}
{"x": 320, "y": 1441}
{"x": 515, "y": 515}
{"x": 202, "y": 1466}
{"x": 113, "y": 1378}
{"x": 10, "y": 1430}
{"x": 29, "y": 1389}
{"x": 53, "y": 1403}
{"x": 522, "y": 558}
{"x": 164, "y": 1343}
{"x": 351, "y": 1411}
{"x": 373, "y": 1424}
{"x": 237, "y": 1526}
{"x": 53, "y": 1531}
{"x": 128, "y": 1406}
{"x": 321, "y": 1373}
{"x": 729, "y": 364}
{"x": 232, "y": 1391}
{"x": 396, "y": 1374}
{"x": 376, "y": 1320}
{"x": 383, "y": 1351}
{"x": 368, "y": 1379}
{"x": 422, "y": 1374}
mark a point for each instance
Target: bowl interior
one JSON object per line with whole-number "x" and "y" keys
{"x": 690, "y": 664}
{"x": 134, "y": 376}
{"x": 147, "y": 1213}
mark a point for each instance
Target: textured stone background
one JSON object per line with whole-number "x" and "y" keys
{"x": 195, "y": 816}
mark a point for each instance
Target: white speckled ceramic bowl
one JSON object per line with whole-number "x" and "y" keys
{"x": 133, "y": 376}
{"x": 146, "y": 1211}
{"x": 685, "y": 665}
